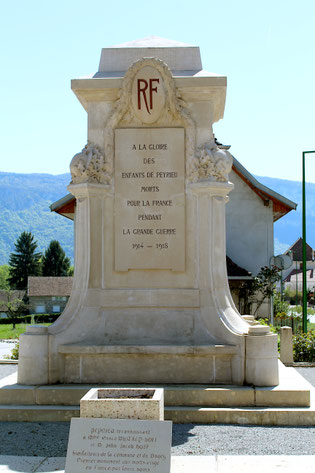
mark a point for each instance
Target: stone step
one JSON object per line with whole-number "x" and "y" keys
{"x": 290, "y": 403}
{"x": 178, "y": 414}
{"x": 254, "y": 415}
{"x": 237, "y": 396}
{"x": 295, "y": 393}
{"x": 28, "y": 413}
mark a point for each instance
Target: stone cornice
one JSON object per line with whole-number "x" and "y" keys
{"x": 191, "y": 89}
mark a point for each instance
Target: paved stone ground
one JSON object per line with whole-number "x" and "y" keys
{"x": 307, "y": 373}
{"x": 49, "y": 439}
{"x": 7, "y": 368}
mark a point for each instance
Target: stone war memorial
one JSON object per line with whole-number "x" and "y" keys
{"x": 150, "y": 302}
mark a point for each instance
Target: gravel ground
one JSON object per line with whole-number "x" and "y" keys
{"x": 50, "y": 439}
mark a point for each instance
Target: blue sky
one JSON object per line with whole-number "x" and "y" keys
{"x": 266, "y": 50}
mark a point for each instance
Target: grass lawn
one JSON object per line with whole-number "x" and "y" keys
{"x": 7, "y": 332}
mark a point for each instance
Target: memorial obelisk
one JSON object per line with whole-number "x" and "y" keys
{"x": 150, "y": 300}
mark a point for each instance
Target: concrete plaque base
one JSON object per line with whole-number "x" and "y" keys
{"x": 123, "y": 403}
{"x": 117, "y": 446}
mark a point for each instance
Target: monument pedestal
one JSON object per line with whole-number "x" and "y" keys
{"x": 153, "y": 335}
{"x": 150, "y": 301}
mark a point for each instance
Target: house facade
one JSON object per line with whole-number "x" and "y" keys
{"x": 48, "y": 295}
{"x": 293, "y": 276}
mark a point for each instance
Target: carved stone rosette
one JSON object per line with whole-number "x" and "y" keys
{"x": 212, "y": 163}
{"x": 90, "y": 166}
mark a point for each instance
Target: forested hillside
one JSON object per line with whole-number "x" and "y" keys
{"x": 25, "y": 201}
{"x": 289, "y": 228}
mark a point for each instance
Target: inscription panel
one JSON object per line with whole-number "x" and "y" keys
{"x": 149, "y": 199}
{"x": 119, "y": 446}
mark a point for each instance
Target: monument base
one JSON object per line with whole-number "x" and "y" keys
{"x": 148, "y": 364}
{"x": 292, "y": 402}
{"x": 150, "y": 325}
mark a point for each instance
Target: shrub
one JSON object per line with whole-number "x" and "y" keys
{"x": 266, "y": 322}
{"x": 279, "y": 306}
{"x": 32, "y": 319}
{"x": 15, "y": 352}
{"x": 304, "y": 347}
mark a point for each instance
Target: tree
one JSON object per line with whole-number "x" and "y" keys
{"x": 14, "y": 307}
{"x": 4, "y": 276}
{"x": 260, "y": 287}
{"x": 55, "y": 262}
{"x": 24, "y": 262}
{"x": 264, "y": 284}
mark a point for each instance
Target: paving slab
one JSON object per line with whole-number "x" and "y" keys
{"x": 180, "y": 464}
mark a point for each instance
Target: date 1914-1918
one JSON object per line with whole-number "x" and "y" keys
{"x": 158, "y": 246}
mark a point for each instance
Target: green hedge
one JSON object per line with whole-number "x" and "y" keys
{"x": 304, "y": 347}
{"x": 30, "y": 319}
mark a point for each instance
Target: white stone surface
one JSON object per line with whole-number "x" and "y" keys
{"x": 152, "y": 42}
{"x": 262, "y": 359}
{"x": 123, "y": 403}
{"x": 33, "y": 356}
{"x": 119, "y": 445}
{"x": 286, "y": 345}
{"x": 178, "y": 56}
{"x": 150, "y": 199}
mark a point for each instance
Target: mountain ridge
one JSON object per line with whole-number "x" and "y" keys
{"x": 25, "y": 201}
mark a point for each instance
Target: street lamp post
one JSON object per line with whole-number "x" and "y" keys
{"x": 304, "y": 290}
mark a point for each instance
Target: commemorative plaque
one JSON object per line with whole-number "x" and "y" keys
{"x": 149, "y": 199}
{"x": 119, "y": 446}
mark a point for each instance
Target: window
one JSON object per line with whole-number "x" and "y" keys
{"x": 40, "y": 309}
{"x": 56, "y": 308}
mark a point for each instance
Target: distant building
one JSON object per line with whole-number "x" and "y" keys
{"x": 48, "y": 295}
{"x": 293, "y": 276}
{"x": 296, "y": 252}
{"x": 294, "y": 280}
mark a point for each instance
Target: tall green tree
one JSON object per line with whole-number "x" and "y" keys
{"x": 4, "y": 276}
{"x": 55, "y": 262}
{"x": 24, "y": 262}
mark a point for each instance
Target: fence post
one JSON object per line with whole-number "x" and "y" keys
{"x": 286, "y": 346}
